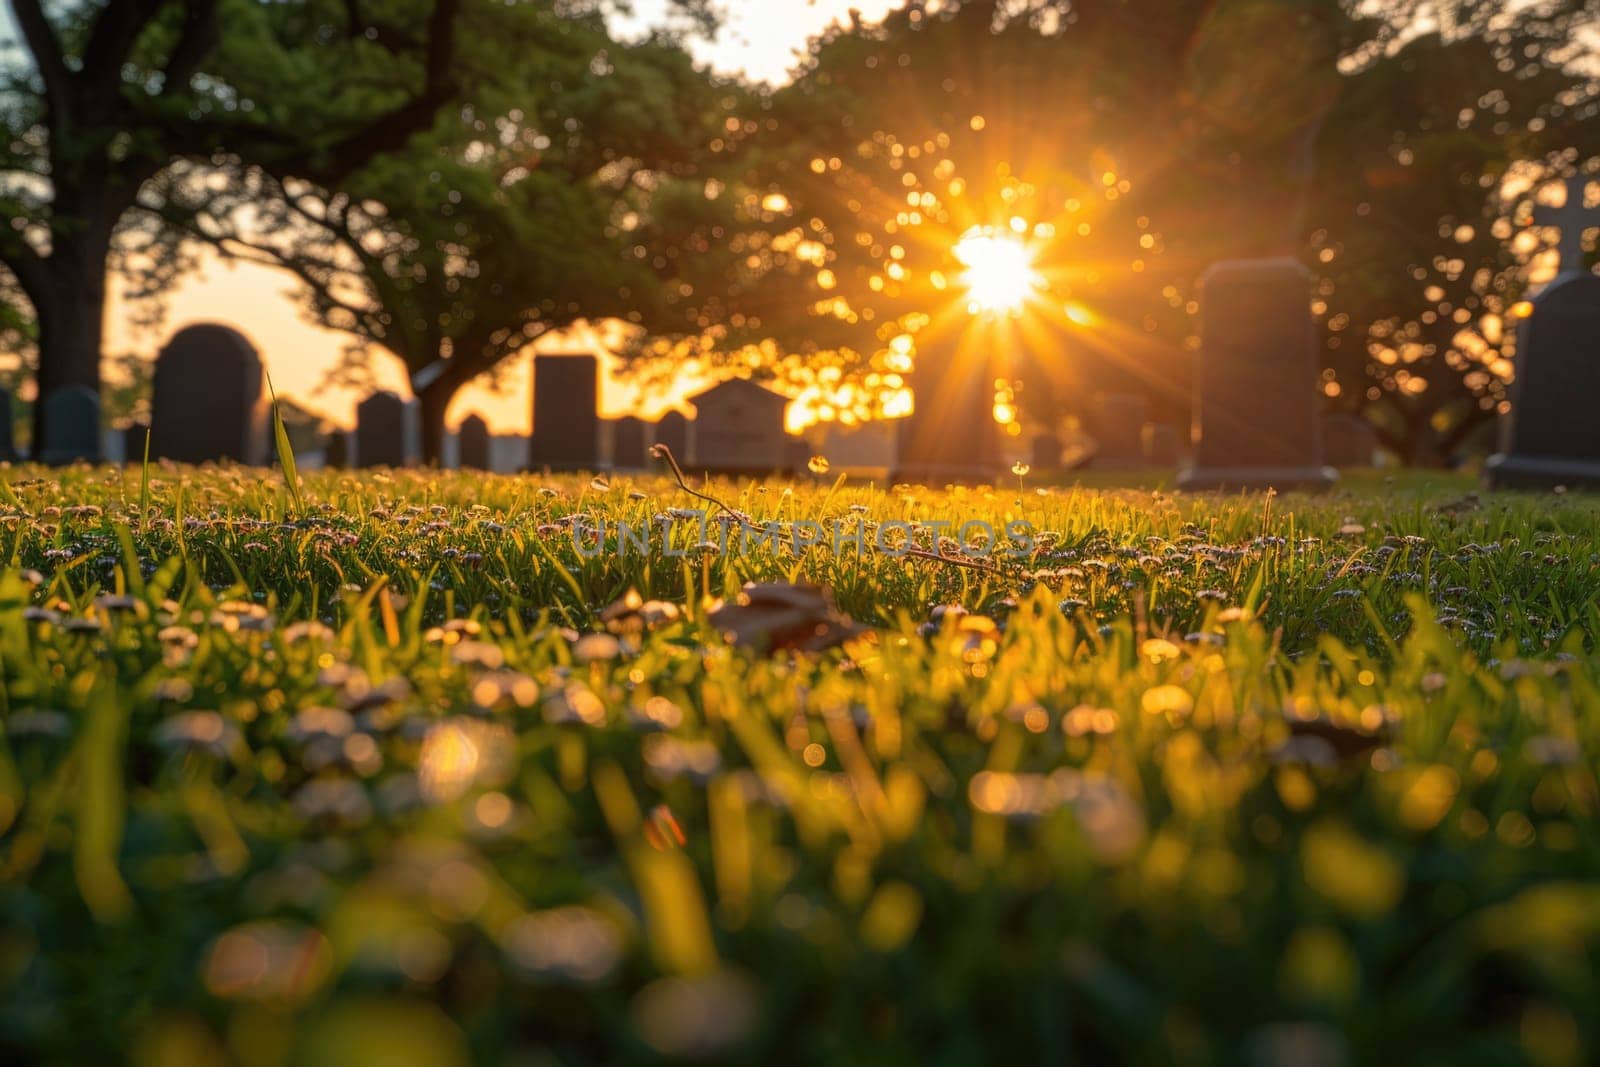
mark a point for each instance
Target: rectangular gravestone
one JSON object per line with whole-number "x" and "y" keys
{"x": 508, "y": 453}
{"x": 8, "y": 440}
{"x": 72, "y": 426}
{"x": 1163, "y": 445}
{"x": 473, "y": 443}
{"x": 1256, "y": 387}
{"x": 672, "y": 430}
{"x": 738, "y": 429}
{"x": 566, "y": 419}
{"x": 950, "y": 435}
{"x": 1551, "y": 437}
{"x": 1045, "y": 453}
{"x": 134, "y": 436}
{"x": 1116, "y": 422}
{"x": 628, "y": 444}
{"x": 336, "y": 454}
{"x": 388, "y": 431}
{"x": 797, "y": 453}
{"x": 209, "y": 400}
{"x": 1348, "y": 440}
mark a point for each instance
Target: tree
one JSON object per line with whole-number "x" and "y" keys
{"x": 1129, "y": 144}
{"x": 1423, "y": 198}
{"x": 109, "y": 95}
{"x": 563, "y": 191}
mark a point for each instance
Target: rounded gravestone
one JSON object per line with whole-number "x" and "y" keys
{"x": 208, "y": 401}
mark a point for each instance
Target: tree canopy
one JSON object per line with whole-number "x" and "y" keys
{"x": 563, "y": 189}
{"x": 1128, "y": 145}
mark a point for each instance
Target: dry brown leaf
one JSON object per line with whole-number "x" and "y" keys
{"x": 777, "y": 615}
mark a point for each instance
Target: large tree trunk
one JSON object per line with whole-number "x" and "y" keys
{"x": 434, "y": 399}
{"x": 70, "y": 310}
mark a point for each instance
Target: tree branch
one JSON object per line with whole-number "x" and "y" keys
{"x": 46, "y": 50}
{"x": 111, "y": 40}
{"x": 195, "y": 42}
{"x": 392, "y": 130}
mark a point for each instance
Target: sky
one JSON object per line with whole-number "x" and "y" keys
{"x": 760, "y": 39}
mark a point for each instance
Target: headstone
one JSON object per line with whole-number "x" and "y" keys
{"x": 473, "y": 443}
{"x": 628, "y": 444}
{"x": 950, "y": 435}
{"x": 337, "y": 453}
{"x": 72, "y": 426}
{"x": 1163, "y": 445}
{"x": 672, "y": 430}
{"x": 508, "y": 453}
{"x": 1116, "y": 422}
{"x": 864, "y": 450}
{"x": 388, "y": 431}
{"x": 209, "y": 401}
{"x": 1045, "y": 453}
{"x": 1348, "y": 440}
{"x": 797, "y": 454}
{"x": 738, "y": 429}
{"x": 566, "y": 419}
{"x": 1551, "y": 437}
{"x": 1255, "y": 404}
{"x": 134, "y": 436}
{"x": 8, "y": 441}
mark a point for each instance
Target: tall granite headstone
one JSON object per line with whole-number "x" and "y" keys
{"x": 1255, "y": 420}
{"x": 209, "y": 399}
{"x": 473, "y": 443}
{"x": 72, "y": 418}
{"x": 628, "y": 443}
{"x": 388, "y": 431}
{"x": 566, "y": 419}
{"x": 950, "y": 435}
{"x": 1117, "y": 425}
{"x": 1551, "y": 436}
{"x": 8, "y": 441}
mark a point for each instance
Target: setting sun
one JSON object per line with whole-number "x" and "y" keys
{"x": 999, "y": 274}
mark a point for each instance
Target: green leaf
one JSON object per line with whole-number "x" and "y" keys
{"x": 291, "y": 476}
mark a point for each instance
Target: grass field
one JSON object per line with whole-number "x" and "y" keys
{"x": 399, "y": 772}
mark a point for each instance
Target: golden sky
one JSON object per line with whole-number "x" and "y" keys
{"x": 760, "y": 40}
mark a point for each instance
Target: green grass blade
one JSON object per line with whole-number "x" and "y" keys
{"x": 291, "y": 476}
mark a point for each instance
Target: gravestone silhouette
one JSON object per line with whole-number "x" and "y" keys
{"x": 566, "y": 419}
{"x": 473, "y": 443}
{"x": 1255, "y": 396}
{"x": 672, "y": 430}
{"x": 387, "y": 431}
{"x": 628, "y": 443}
{"x": 738, "y": 428}
{"x": 950, "y": 435}
{"x": 1551, "y": 437}
{"x": 1117, "y": 425}
{"x": 8, "y": 441}
{"x": 336, "y": 453}
{"x": 1348, "y": 440}
{"x": 208, "y": 400}
{"x": 1045, "y": 452}
{"x": 72, "y": 415}
{"x": 1163, "y": 445}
